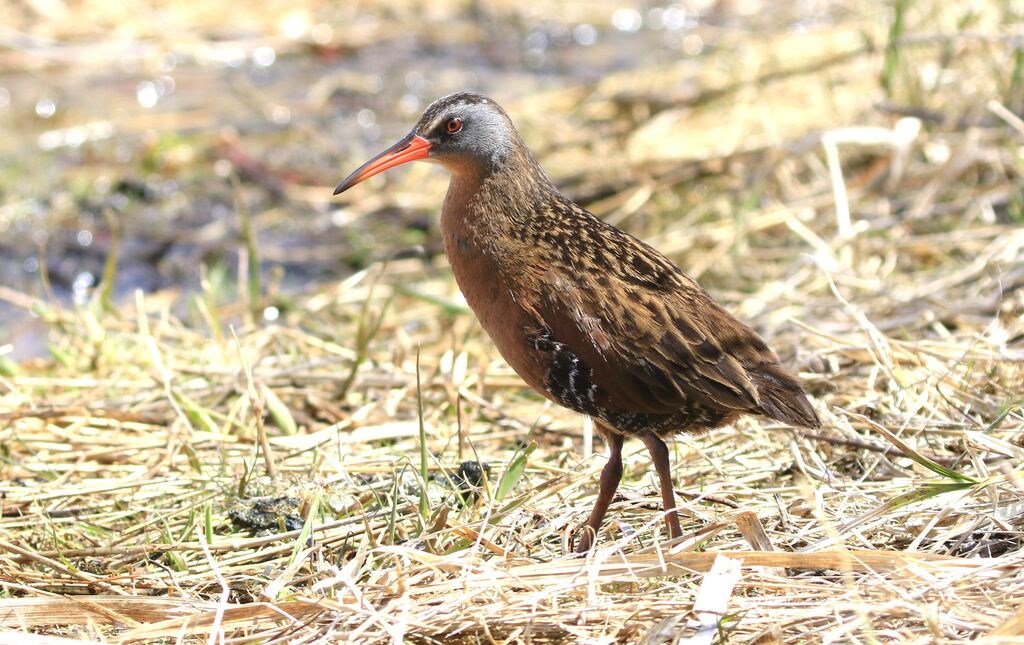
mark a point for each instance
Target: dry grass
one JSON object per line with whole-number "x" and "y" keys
{"x": 892, "y": 281}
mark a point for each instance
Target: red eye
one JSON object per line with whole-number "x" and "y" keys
{"x": 454, "y": 125}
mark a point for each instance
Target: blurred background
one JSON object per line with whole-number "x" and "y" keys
{"x": 157, "y": 123}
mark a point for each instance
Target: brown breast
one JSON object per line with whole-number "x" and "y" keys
{"x": 489, "y": 292}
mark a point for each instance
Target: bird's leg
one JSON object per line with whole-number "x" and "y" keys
{"x": 659, "y": 455}
{"x": 611, "y": 474}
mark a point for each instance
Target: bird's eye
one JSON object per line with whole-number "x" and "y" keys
{"x": 454, "y": 125}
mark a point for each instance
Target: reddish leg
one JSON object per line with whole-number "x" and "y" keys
{"x": 610, "y": 477}
{"x": 659, "y": 455}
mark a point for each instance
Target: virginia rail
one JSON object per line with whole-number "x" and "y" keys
{"x": 589, "y": 316}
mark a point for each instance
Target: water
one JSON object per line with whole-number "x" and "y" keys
{"x": 149, "y": 135}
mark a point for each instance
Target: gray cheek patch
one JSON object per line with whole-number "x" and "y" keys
{"x": 493, "y": 134}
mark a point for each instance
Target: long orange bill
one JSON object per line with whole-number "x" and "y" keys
{"x": 410, "y": 148}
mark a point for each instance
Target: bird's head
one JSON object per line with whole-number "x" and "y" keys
{"x": 461, "y": 131}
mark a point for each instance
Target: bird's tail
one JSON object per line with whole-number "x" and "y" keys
{"x": 782, "y": 398}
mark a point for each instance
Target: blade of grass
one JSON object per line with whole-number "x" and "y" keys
{"x": 252, "y": 267}
{"x": 424, "y": 461}
{"x": 174, "y": 559}
{"x": 279, "y": 412}
{"x": 365, "y": 332}
{"x": 208, "y": 522}
{"x": 106, "y": 292}
{"x": 910, "y": 452}
{"x": 307, "y": 529}
{"x": 892, "y": 65}
{"x": 196, "y": 413}
{"x": 206, "y": 303}
{"x": 514, "y": 471}
{"x": 256, "y": 401}
{"x": 393, "y": 515}
{"x": 920, "y": 494}
{"x": 448, "y": 306}
{"x": 9, "y": 368}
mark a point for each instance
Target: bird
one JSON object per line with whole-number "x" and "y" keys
{"x": 587, "y": 315}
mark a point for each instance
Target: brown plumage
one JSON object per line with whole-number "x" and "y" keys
{"x": 589, "y": 316}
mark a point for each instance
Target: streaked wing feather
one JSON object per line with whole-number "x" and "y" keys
{"x": 639, "y": 363}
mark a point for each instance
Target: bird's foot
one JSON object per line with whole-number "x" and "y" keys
{"x": 587, "y": 538}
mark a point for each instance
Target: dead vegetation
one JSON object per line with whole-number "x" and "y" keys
{"x": 218, "y": 476}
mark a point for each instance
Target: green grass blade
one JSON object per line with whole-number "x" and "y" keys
{"x": 307, "y": 529}
{"x": 424, "y": 461}
{"x": 910, "y": 452}
{"x": 514, "y": 472}
{"x": 254, "y": 290}
{"x": 279, "y": 412}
